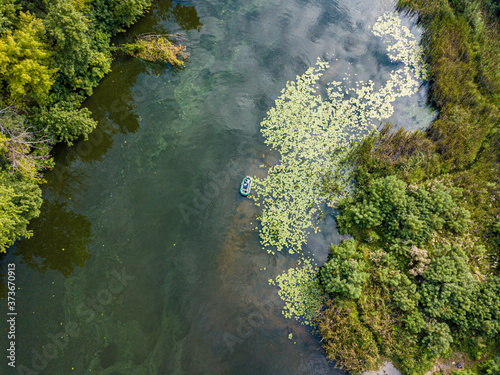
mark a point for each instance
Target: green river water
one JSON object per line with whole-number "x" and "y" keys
{"x": 144, "y": 258}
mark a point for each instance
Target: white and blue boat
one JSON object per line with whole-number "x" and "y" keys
{"x": 246, "y": 186}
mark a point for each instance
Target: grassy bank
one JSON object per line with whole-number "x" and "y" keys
{"x": 419, "y": 283}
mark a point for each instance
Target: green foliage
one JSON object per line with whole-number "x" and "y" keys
{"x": 347, "y": 340}
{"x": 495, "y": 231}
{"x": 82, "y": 54}
{"x": 494, "y": 8}
{"x": 410, "y": 155}
{"x": 464, "y": 372}
{"x": 451, "y": 294}
{"x": 8, "y": 10}
{"x": 405, "y": 296}
{"x": 438, "y": 339}
{"x": 20, "y": 201}
{"x": 25, "y": 70}
{"x": 111, "y": 16}
{"x": 450, "y": 290}
{"x": 459, "y": 128}
{"x": 342, "y": 275}
{"x": 157, "y": 49}
{"x": 402, "y": 213}
{"x": 491, "y": 367}
{"x": 65, "y": 121}
{"x": 414, "y": 321}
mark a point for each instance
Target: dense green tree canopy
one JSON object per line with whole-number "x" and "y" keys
{"x": 403, "y": 213}
{"x": 343, "y": 274}
{"x": 20, "y": 201}
{"x": 8, "y": 10}
{"x": 25, "y": 69}
{"x": 65, "y": 122}
{"x": 81, "y": 53}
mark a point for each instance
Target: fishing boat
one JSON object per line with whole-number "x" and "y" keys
{"x": 246, "y": 186}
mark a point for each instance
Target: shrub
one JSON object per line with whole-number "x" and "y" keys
{"x": 343, "y": 275}
{"x": 347, "y": 341}
{"x": 438, "y": 339}
{"x": 402, "y": 213}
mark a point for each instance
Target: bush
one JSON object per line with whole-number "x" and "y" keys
{"x": 20, "y": 201}
{"x": 438, "y": 339}
{"x": 491, "y": 367}
{"x": 347, "y": 341}
{"x": 402, "y": 213}
{"x": 343, "y": 275}
{"x": 65, "y": 122}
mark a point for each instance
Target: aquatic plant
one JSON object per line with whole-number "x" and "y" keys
{"x": 299, "y": 288}
{"x": 157, "y": 48}
{"x": 314, "y": 133}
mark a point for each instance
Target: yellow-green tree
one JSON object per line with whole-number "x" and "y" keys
{"x": 25, "y": 69}
{"x": 7, "y": 14}
{"x": 20, "y": 201}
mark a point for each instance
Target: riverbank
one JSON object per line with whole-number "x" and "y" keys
{"x": 52, "y": 55}
{"x": 423, "y": 278}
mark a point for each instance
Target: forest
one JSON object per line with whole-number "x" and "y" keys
{"x": 418, "y": 284}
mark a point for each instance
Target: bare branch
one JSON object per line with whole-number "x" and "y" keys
{"x": 23, "y": 140}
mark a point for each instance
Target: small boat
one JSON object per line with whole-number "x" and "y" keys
{"x": 246, "y": 186}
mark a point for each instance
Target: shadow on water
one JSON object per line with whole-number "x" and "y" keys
{"x": 59, "y": 242}
{"x": 162, "y": 17}
{"x": 186, "y": 17}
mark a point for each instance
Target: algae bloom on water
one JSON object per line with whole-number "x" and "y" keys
{"x": 313, "y": 133}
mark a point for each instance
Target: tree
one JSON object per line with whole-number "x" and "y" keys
{"x": 438, "y": 339}
{"x": 24, "y": 148}
{"x": 25, "y": 62}
{"x": 65, "y": 122}
{"x": 450, "y": 291}
{"x": 343, "y": 274}
{"x": 414, "y": 322}
{"x": 82, "y": 54}
{"x": 492, "y": 367}
{"x": 113, "y": 15}
{"x": 20, "y": 201}
{"x": 7, "y": 14}
{"x": 402, "y": 213}
{"x": 405, "y": 295}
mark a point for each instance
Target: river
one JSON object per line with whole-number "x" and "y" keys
{"x": 145, "y": 259}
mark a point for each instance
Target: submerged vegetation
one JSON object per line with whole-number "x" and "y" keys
{"x": 419, "y": 279}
